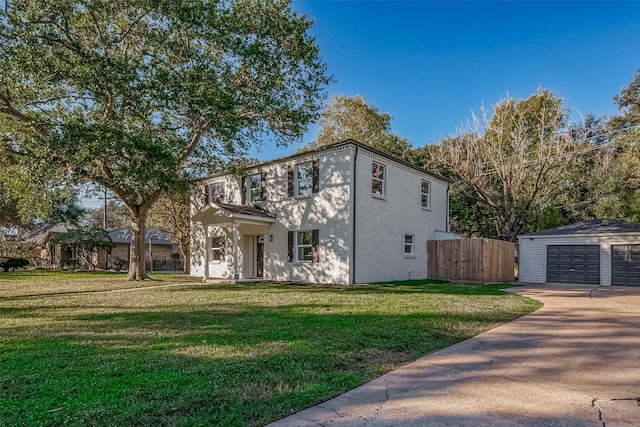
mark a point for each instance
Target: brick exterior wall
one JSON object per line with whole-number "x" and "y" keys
{"x": 382, "y": 222}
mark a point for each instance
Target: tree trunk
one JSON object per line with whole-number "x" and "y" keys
{"x": 137, "y": 253}
{"x": 186, "y": 256}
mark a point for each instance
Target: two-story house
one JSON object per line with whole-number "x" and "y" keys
{"x": 343, "y": 213}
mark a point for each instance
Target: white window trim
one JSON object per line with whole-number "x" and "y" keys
{"x": 297, "y": 181}
{"x": 428, "y": 194}
{"x": 215, "y": 248}
{"x": 383, "y": 180}
{"x": 296, "y": 247}
{"x": 412, "y": 244}
{"x": 224, "y": 191}
{"x": 250, "y": 189}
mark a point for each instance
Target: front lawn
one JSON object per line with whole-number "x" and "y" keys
{"x": 215, "y": 355}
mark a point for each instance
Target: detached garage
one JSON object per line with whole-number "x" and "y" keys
{"x": 599, "y": 252}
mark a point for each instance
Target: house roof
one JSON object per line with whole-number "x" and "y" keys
{"x": 246, "y": 210}
{"x": 335, "y": 145}
{"x": 153, "y": 236}
{"x": 592, "y": 227}
{"x": 218, "y": 213}
{"x": 39, "y": 237}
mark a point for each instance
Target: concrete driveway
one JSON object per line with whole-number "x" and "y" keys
{"x": 575, "y": 362}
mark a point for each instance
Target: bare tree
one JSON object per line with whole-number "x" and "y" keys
{"x": 515, "y": 159}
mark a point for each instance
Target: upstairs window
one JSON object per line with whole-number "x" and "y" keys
{"x": 378, "y": 179}
{"x": 255, "y": 188}
{"x": 408, "y": 244}
{"x": 217, "y": 192}
{"x": 425, "y": 191}
{"x": 304, "y": 179}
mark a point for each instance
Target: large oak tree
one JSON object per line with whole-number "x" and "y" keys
{"x": 125, "y": 93}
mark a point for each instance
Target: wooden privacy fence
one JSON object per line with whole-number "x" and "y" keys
{"x": 481, "y": 260}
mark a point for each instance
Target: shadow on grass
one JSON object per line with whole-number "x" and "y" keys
{"x": 100, "y": 362}
{"x": 403, "y": 287}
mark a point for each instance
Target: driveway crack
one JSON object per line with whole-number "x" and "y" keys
{"x": 594, "y": 404}
{"x": 332, "y": 410}
{"x": 637, "y": 399}
{"x": 378, "y": 409}
{"x": 592, "y": 291}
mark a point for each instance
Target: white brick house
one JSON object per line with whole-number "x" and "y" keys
{"x": 344, "y": 213}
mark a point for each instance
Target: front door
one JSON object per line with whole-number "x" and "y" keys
{"x": 260, "y": 257}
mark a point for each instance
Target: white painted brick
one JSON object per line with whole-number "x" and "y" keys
{"x": 381, "y": 224}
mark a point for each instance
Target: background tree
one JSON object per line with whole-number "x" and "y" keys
{"x": 619, "y": 187}
{"x": 9, "y": 216}
{"x": 171, "y": 213}
{"x": 346, "y": 117}
{"x": 629, "y": 104}
{"x": 514, "y": 160}
{"x": 124, "y": 93}
{"x": 117, "y": 215}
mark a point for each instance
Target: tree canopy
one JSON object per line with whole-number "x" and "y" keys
{"x": 125, "y": 93}
{"x": 514, "y": 159}
{"x": 350, "y": 117}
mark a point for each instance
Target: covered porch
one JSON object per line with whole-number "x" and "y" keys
{"x": 247, "y": 228}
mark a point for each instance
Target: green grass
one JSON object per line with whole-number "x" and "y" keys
{"x": 214, "y": 355}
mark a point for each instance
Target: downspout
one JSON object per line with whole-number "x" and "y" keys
{"x": 447, "y": 227}
{"x": 353, "y": 233}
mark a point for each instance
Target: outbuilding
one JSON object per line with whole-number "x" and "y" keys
{"x": 599, "y": 252}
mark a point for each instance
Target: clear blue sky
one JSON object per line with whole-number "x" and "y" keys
{"x": 429, "y": 64}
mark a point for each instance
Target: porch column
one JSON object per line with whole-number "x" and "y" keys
{"x": 236, "y": 274}
{"x": 266, "y": 249}
{"x": 207, "y": 251}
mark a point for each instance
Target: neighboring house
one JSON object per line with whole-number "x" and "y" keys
{"x": 599, "y": 252}
{"x": 344, "y": 213}
{"x": 162, "y": 250}
{"x": 10, "y": 244}
{"x": 49, "y": 253}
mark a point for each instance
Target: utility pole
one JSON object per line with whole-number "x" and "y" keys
{"x": 107, "y": 260}
{"x": 104, "y": 218}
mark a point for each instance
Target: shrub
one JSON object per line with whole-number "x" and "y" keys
{"x": 13, "y": 263}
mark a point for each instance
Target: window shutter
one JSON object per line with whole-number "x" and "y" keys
{"x": 263, "y": 184}
{"x": 206, "y": 194}
{"x": 315, "y": 240}
{"x": 316, "y": 177}
{"x": 290, "y": 180}
{"x": 243, "y": 193}
{"x": 290, "y": 246}
{"x": 222, "y": 193}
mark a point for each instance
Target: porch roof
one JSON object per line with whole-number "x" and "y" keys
{"x": 220, "y": 213}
